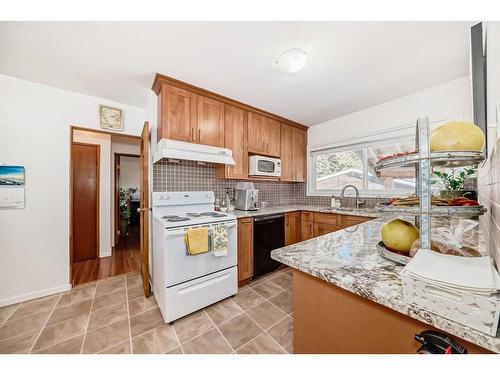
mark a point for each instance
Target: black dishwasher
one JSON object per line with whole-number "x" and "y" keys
{"x": 268, "y": 234}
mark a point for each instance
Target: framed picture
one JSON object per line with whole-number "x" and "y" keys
{"x": 111, "y": 118}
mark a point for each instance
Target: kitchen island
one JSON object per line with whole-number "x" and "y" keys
{"x": 348, "y": 299}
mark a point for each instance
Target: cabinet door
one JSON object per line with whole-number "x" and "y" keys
{"x": 306, "y": 219}
{"x": 177, "y": 114}
{"x": 349, "y": 221}
{"x": 293, "y": 229}
{"x": 299, "y": 154}
{"x": 271, "y": 135}
{"x": 286, "y": 153}
{"x": 255, "y": 132}
{"x": 236, "y": 140}
{"x": 324, "y": 228}
{"x": 245, "y": 248}
{"x": 210, "y": 122}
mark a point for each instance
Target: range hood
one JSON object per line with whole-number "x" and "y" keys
{"x": 169, "y": 148}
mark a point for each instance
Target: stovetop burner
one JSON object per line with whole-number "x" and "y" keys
{"x": 213, "y": 214}
{"x": 193, "y": 214}
{"x": 175, "y": 218}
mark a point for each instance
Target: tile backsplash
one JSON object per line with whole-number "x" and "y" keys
{"x": 489, "y": 196}
{"x": 194, "y": 176}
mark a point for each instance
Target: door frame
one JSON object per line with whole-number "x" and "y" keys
{"x": 116, "y": 193}
{"x": 70, "y": 213}
{"x": 98, "y": 187}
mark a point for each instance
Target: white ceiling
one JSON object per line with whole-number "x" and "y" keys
{"x": 352, "y": 65}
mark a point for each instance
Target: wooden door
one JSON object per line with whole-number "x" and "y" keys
{"x": 236, "y": 140}
{"x": 245, "y": 249}
{"x": 177, "y": 114}
{"x": 85, "y": 198}
{"x": 255, "y": 133}
{"x": 210, "y": 122}
{"x": 271, "y": 132}
{"x": 145, "y": 208}
{"x": 293, "y": 228}
{"x": 299, "y": 154}
{"x": 286, "y": 153}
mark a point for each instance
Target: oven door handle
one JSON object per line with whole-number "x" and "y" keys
{"x": 181, "y": 232}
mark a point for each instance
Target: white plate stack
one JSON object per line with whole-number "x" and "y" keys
{"x": 462, "y": 289}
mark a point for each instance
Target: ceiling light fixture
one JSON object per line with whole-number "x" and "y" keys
{"x": 291, "y": 61}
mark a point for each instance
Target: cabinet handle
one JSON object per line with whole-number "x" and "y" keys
{"x": 199, "y": 135}
{"x": 192, "y": 134}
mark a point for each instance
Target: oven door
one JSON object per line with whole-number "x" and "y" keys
{"x": 181, "y": 267}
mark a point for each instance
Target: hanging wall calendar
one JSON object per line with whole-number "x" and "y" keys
{"x": 12, "y": 194}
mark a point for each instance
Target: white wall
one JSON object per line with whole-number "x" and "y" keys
{"x": 35, "y": 125}
{"x": 105, "y": 199}
{"x": 452, "y": 100}
{"x": 129, "y": 172}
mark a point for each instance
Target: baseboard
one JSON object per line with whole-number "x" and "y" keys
{"x": 106, "y": 254}
{"x": 33, "y": 295}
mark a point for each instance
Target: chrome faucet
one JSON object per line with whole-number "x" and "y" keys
{"x": 358, "y": 202}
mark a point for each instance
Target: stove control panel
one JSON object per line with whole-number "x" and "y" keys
{"x": 183, "y": 198}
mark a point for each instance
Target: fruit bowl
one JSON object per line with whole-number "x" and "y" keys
{"x": 395, "y": 256}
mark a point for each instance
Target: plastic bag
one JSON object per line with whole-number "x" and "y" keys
{"x": 449, "y": 240}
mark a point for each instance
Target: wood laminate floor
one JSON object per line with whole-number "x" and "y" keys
{"x": 125, "y": 258}
{"x": 112, "y": 316}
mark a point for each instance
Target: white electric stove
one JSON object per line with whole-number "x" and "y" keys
{"x": 185, "y": 283}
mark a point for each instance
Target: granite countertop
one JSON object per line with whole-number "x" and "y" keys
{"x": 302, "y": 207}
{"x": 348, "y": 259}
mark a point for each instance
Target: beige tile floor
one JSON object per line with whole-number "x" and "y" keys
{"x": 112, "y": 316}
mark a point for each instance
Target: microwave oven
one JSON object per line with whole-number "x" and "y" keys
{"x": 264, "y": 166}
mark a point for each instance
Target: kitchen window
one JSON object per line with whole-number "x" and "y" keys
{"x": 330, "y": 169}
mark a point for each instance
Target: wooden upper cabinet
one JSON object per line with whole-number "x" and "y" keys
{"x": 293, "y": 154}
{"x": 255, "y": 133}
{"x": 299, "y": 154}
{"x": 185, "y": 116}
{"x": 263, "y": 135}
{"x": 236, "y": 140}
{"x": 210, "y": 122}
{"x": 272, "y": 137}
{"x": 287, "y": 172}
{"x": 293, "y": 228}
{"x": 176, "y": 114}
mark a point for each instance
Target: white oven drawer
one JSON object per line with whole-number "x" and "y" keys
{"x": 185, "y": 298}
{"x": 179, "y": 266}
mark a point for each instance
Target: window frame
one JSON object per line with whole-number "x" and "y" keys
{"x": 354, "y": 145}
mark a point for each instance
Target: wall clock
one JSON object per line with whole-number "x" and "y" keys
{"x": 111, "y": 118}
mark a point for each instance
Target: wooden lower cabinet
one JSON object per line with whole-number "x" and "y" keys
{"x": 324, "y": 228}
{"x": 245, "y": 249}
{"x": 349, "y": 221}
{"x": 328, "y": 319}
{"x": 293, "y": 230}
{"x": 307, "y": 225}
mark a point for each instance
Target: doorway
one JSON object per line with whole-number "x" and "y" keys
{"x": 102, "y": 165}
{"x": 127, "y": 181}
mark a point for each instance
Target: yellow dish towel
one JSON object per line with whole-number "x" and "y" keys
{"x": 197, "y": 240}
